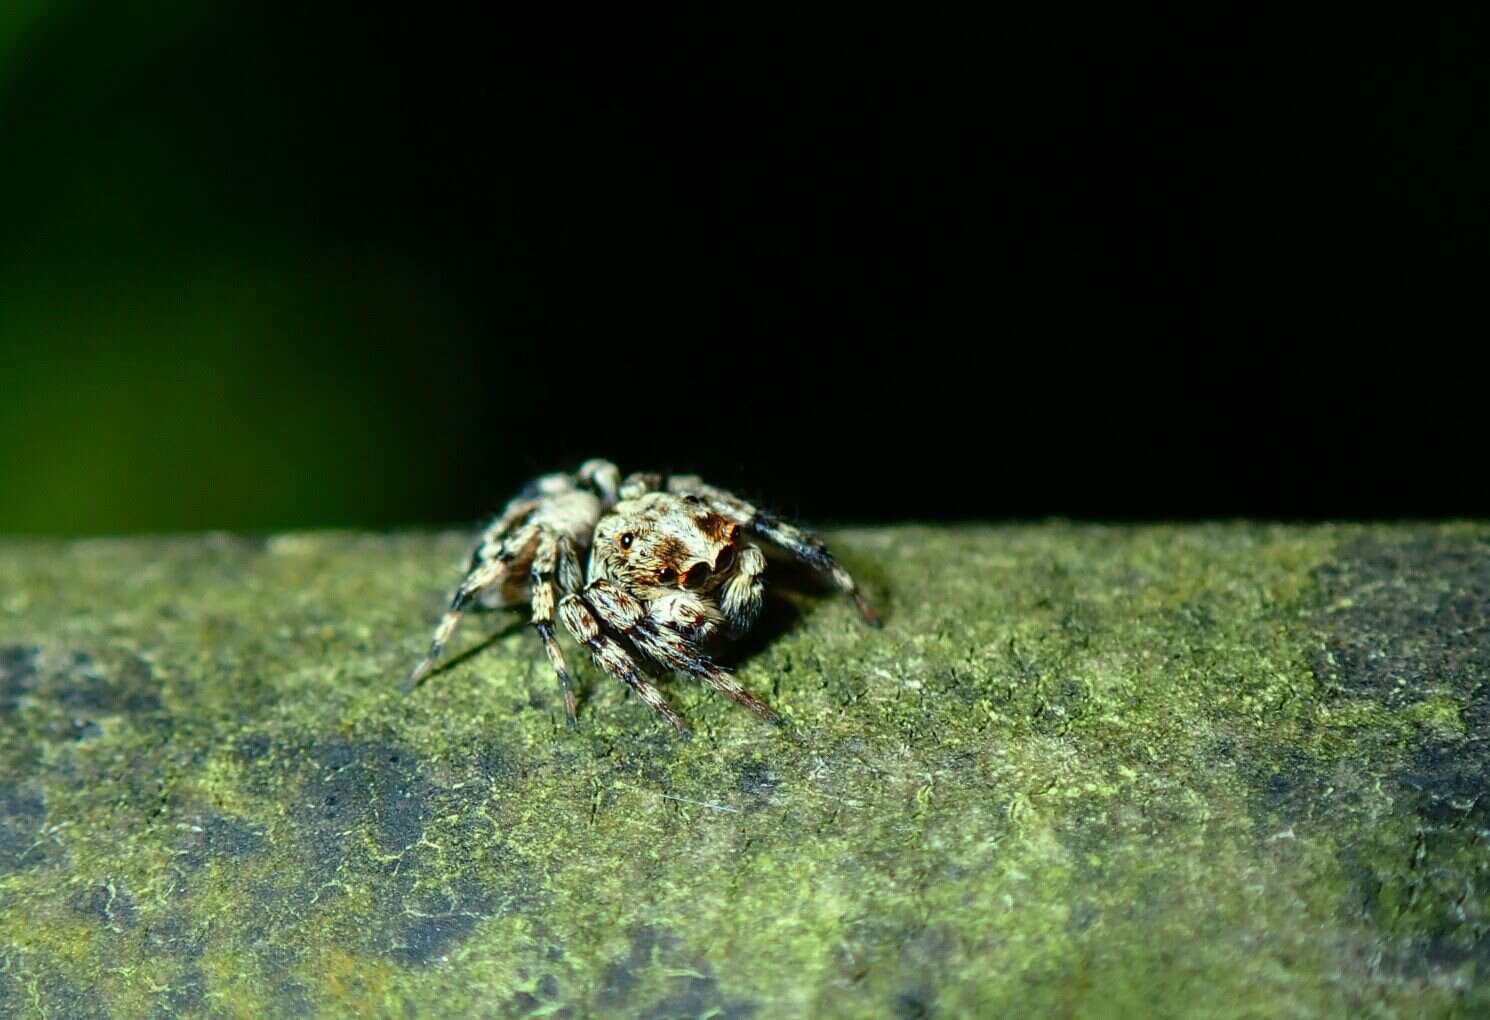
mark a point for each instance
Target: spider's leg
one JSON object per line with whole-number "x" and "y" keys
{"x": 483, "y": 574}
{"x": 811, "y": 550}
{"x": 478, "y": 580}
{"x": 608, "y": 654}
{"x": 801, "y": 544}
{"x": 555, "y": 558}
{"x": 641, "y": 482}
{"x": 489, "y": 545}
{"x": 603, "y": 477}
{"x": 514, "y": 521}
{"x": 659, "y": 641}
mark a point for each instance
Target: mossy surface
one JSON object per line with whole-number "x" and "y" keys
{"x": 1231, "y": 770}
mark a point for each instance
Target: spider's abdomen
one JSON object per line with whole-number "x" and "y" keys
{"x": 572, "y": 514}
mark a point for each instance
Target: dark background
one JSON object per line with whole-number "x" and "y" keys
{"x": 264, "y": 267}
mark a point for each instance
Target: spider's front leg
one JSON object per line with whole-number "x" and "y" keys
{"x": 580, "y": 621}
{"x": 657, "y": 635}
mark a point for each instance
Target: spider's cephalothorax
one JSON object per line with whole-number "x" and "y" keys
{"x": 673, "y": 565}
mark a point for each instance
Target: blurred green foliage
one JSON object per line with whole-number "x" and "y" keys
{"x": 181, "y": 344}
{"x": 274, "y": 266}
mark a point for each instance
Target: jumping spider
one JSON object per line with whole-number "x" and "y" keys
{"x": 673, "y": 567}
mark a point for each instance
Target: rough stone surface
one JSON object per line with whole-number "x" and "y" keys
{"x": 1231, "y": 770}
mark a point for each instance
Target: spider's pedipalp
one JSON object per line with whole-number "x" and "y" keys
{"x": 611, "y": 657}
{"x": 742, "y": 597}
{"x": 689, "y": 613}
{"x": 801, "y": 544}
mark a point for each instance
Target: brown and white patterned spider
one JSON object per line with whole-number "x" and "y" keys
{"x": 674, "y": 566}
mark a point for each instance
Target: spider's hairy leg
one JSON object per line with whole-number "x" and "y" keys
{"x": 655, "y": 637}
{"x": 811, "y": 550}
{"x": 494, "y": 536}
{"x": 522, "y": 511}
{"x": 801, "y": 544}
{"x": 555, "y": 557}
{"x": 510, "y": 530}
{"x": 611, "y": 657}
{"x": 602, "y": 476}
{"x": 485, "y": 572}
{"x": 477, "y": 581}
{"x": 641, "y": 482}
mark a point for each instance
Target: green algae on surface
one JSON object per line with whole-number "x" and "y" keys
{"x": 1229, "y": 770}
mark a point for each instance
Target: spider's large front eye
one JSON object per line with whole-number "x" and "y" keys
{"x": 627, "y": 539}
{"x": 725, "y": 559}
{"x": 696, "y": 576}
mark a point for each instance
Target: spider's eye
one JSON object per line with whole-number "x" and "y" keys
{"x": 725, "y": 559}
{"x": 627, "y": 539}
{"x": 697, "y": 575}
{"x": 666, "y": 575}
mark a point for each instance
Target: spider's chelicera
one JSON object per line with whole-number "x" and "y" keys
{"x": 674, "y": 566}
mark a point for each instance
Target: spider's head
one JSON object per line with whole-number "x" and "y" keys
{"x": 664, "y": 541}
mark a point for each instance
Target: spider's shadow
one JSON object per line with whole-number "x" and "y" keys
{"x": 778, "y": 616}
{"x": 782, "y": 611}
{"x": 512, "y": 627}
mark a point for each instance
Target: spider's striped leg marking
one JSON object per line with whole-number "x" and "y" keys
{"x": 511, "y": 531}
{"x": 555, "y": 556}
{"x": 657, "y": 640}
{"x": 483, "y": 577}
{"x": 492, "y": 539}
{"x": 485, "y": 572}
{"x": 611, "y": 657}
{"x": 811, "y": 550}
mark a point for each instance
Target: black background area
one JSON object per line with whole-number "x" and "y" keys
{"x": 1128, "y": 268}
